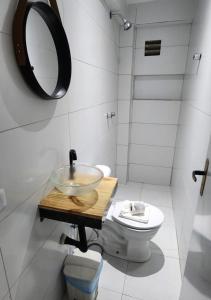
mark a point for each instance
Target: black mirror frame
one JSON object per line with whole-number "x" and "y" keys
{"x": 51, "y": 17}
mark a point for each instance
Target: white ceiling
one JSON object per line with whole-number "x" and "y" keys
{"x": 138, "y": 1}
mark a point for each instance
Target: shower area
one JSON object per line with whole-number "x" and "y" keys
{"x": 153, "y": 56}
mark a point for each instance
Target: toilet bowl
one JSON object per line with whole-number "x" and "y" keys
{"x": 129, "y": 239}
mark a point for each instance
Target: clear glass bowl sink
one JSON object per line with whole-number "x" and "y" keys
{"x": 85, "y": 179}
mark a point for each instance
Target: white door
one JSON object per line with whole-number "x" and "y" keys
{"x": 197, "y": 279}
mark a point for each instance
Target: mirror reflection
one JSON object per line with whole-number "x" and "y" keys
{"x": 41, "y": 52}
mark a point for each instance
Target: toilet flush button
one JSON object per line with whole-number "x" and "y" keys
{"x": 3, "y": 199}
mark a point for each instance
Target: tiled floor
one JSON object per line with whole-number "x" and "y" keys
{"x": 157, "y": 279}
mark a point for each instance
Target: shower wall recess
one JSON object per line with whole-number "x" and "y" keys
{"x": 150, "y": 90}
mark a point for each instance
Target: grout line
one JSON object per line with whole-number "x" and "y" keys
{"x": 165, "y": 46}
{"x": 156, "y": 99}
{"x": 148, "y": 165}
{"x": 153, "y": 146}
{"x": 35, "y": 122}
{"x": 95, "y": 66}
{"x": 175, "y": 22}
{"x": 5, "y": 271}
{"x": 93, "y": 106}
{"x": 35, "y": 255}
{"x": 125, "y": 277}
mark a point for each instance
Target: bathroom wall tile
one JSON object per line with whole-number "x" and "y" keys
{"x": 172, "y": 60}
{"x": 150, "y": 134}
{"x": 124, "y": 297}
{"x": 114, "y": 270}
{"x": 42, "y": 272}
{"x": 154, "y": 195}
{"x": 142, "y": 277}
{"x": 161, "y": 112}
{"x": 105, "y": 86}
{"x": 123, "y": 111}
{"x": 126, "y": 37}
{"x": 125, "y": 85}
{"x": 151, "y": 155}
{"x": 93, "y": 46}
{"x": 125, "y": 66}
{"x": 131, "y": 190}
{"x": 101, "y": 18}
{"x": 121, "y": 173}
{"x": 167, "y": 87}
{"x": 170, "y": 35}
{"x": 123, "y": 134}
{"x": 105, "y": 294}
{"x": 149, "y": 174}
{"x": 7, "y": 10}
{"x": 28, "y": 156}
{"x": 122, "y": 154}
{"x": 98, "y": 145}
{"x": 24, "y": 230}
{"x": 163, "y": 11}
{"x": 26, "y": 107}
{"x": 3, "y": 281}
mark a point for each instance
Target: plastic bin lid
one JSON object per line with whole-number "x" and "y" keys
{"x": 90, "y": 259}
{"x": 82, "y": 270}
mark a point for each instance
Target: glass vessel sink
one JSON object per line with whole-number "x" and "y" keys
{"x": 81, "y": 180}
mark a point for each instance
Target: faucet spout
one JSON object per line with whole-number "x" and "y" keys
{"x": 72, "y": 158}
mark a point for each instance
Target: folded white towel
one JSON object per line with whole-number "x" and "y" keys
{"x": 135, "y": 211}
{"x": 133, "y": 207}
{"x": 142, "y": 218}
{"x": 138, "y": 207}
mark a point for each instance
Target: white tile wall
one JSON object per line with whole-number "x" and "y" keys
{"x": 28, "y": 156}
{"x": 123, "y": 134}
{"x": 150, "y": 155}
{"x": 123, "y": 111}
{"x": 126, "y": 37}
{"x": 158, "y": 86}
{"x": 124, "y": 90}
{"x": 149, "y": 174}
{"x": 172, "y": 60}
{"x": 164, "y": 10}
{"x": 125, "y": 94}
{"x": 122, "y": 155}
{"x": 125, "y": 66}
{"x": 35, "y": 136}
{"x": 194, "y": 130}
{"x": 121, "y": 173}
{"x": 170, "y": 35}
{"x": 153, "y": 134}
{"x": 160, "y": 112}
{"x": 167, "y": 87}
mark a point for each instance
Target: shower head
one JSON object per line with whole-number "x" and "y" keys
{"x": 126, "y": 24}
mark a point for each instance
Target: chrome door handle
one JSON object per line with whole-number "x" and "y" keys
{"x": 201, "y": 173}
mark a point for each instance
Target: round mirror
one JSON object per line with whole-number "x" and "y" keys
{"x": 42, "y": 49}
{"x": 41, "y": 52}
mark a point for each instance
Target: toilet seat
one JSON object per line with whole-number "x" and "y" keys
{"x": 156, "y": 218}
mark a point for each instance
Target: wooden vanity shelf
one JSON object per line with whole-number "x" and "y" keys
{"x": 88, "y": 210}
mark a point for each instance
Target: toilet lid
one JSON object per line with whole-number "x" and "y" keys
{"x": 156, "y": 218}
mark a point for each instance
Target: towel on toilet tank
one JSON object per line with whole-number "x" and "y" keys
{"x": 135, "y": 210}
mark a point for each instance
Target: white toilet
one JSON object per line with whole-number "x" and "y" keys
{"x": 129, "y": 239}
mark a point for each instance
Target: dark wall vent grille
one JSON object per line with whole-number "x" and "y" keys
{"x": 152, "y": 48}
